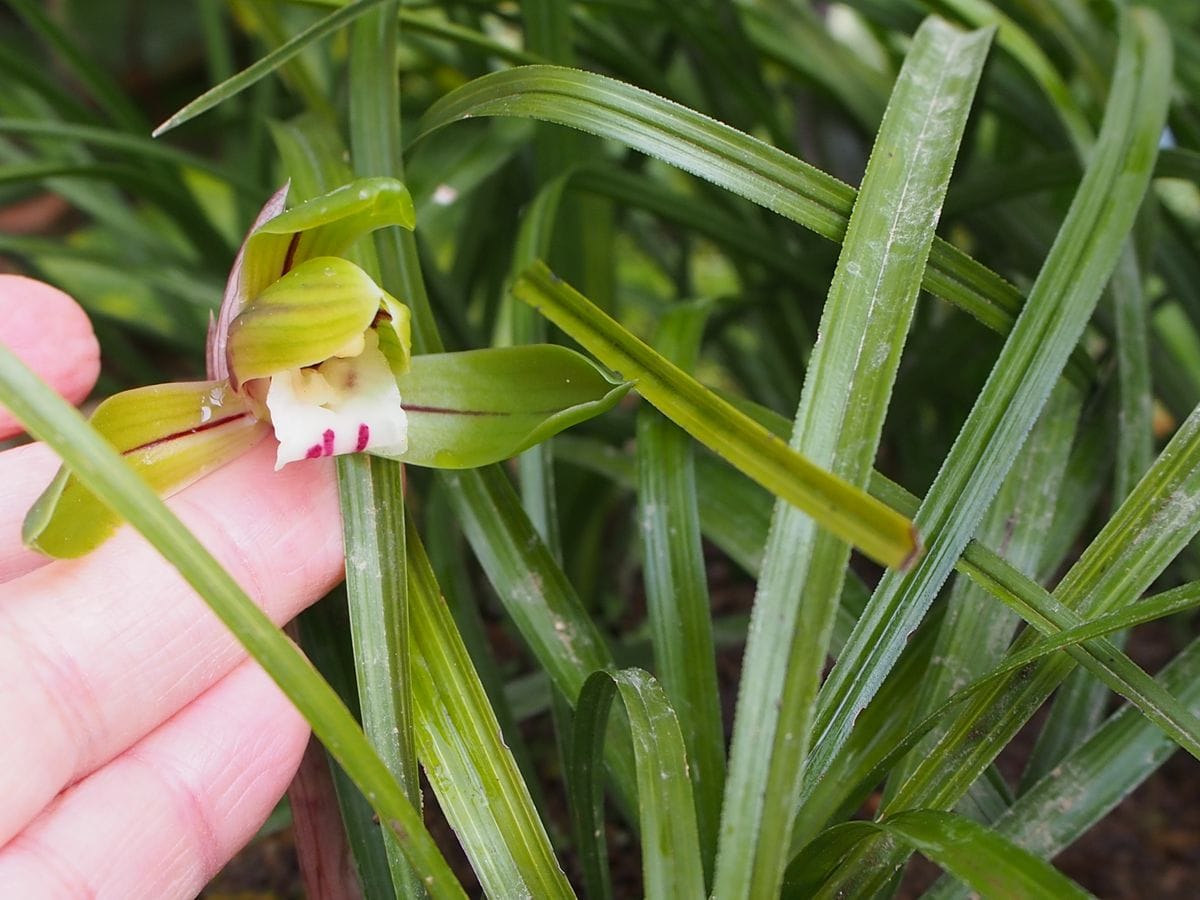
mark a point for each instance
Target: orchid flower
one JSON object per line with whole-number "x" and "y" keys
{"x": 309, "y": 349}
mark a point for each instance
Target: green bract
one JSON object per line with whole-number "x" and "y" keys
{"x": 308, "y": 346}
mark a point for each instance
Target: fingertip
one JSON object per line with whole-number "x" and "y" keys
{"x": 52, "y": 335}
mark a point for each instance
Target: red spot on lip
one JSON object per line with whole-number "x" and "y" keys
{"x": 327, "y": 445}
{"x": 364, "y": 434}
{"x": 314, "y": 451}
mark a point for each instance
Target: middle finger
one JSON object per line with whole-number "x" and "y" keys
{"x": 95, "y": 652}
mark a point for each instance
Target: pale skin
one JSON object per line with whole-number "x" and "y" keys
{"x": 140, "y": 749}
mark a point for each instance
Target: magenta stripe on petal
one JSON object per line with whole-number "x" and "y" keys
{"x": 364, "y": 435}
{"x": 327, "y": 437}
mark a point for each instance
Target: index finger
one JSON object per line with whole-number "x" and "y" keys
{"x": 51, "y": 334}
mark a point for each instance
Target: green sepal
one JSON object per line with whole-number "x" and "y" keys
{"x": 302, "y": 319}
{"x": 481, "y": 406}
{"x": 324, "y": 226}
{"x": 172, "y": 434}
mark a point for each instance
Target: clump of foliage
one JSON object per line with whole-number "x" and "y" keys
{"x": 995, "y": 335}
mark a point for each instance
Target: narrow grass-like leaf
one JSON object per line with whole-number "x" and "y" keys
{"x": 101, "y": 469}
{"x": 475, "y": 777}
{"x": 371, "y": 494}
{"x": 994, "y": 867}
{"x": 1124, "y": 751}
{"x": 264, "y": 66}
{"x": 1001, "y": 580}
{"x": 1060, "y": 304}
{"x": 720, "y": 154}
{"x": 1149, "y": 529}
{"x": 371, "y": 491}
{"x": 839, "y": 423}
{"x": 875, "y": 758}
{"x": 677, "y": 598}
{"x": 1103, "y": 659}
{"x": 839, "y": 506}
{"x": 435, "y": 25}
{"x": 539, "y": 599}
{"x": 1080, "y": 702}
{"x": 976, "y": 632}
{"x": 670, "y": 844}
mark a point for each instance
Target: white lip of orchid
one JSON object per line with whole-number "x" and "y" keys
{"x": 347, "y": 404}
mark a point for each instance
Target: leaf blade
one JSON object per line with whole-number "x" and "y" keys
{"x": 879, "y": 531}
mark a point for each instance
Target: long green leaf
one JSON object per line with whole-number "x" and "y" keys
{"x": 994, "y": 867}
{"x": 475, "y": 777}
{"x": 670, "y": 844}
{"x": 677, "y": 597}
{"x": 1056, "y": 810}
{"x": 839, "y": 423}
{"x": 1079, "y": 705}
{"x": 372, "y": 491}
{"x": 1060, "y": 304}
{"x": 1001, "y": 580}
{"x": 1103, "y": 659}
{"x": 372, "y": 500}
{"x": 875, "y": 757}
{"x": 264, "y": 66}
{"x": 720, "y": 154}
{"x": 976, "y": 632}
{"x": 842, "y": 508}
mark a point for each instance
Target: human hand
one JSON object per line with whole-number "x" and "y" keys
{"x": 141, "y": 750}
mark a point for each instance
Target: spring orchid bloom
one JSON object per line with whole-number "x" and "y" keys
{"x": 309, "y": 349}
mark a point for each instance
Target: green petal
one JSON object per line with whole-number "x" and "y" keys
{"x": 324, "y": 226}
{"x": 395, "y": 340}
{"x": 479, "y": 407}
{"x": 302, "y": 319}
{"x": 172, "y": 434}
